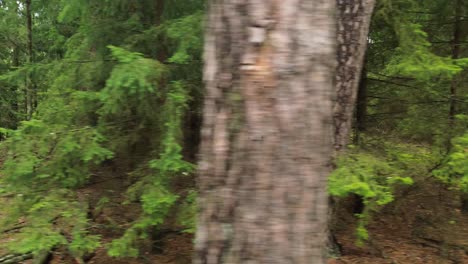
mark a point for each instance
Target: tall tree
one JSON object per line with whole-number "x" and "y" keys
{"x": 30, "y": 92}
{"x": 353, "y": 22}
{"x": 353, "y": 27}
{"x": 103, "y": 69}
{"x": 361, "y": 106}
{"x": 456, "y": 45}
{"x": 266, "y": 137}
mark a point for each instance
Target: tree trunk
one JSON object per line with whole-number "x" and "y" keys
{"x": 14, "y": 90}
{"x": 267, "y": 132}
{"x": 456, "y": 43}
{"x": 361, "y": 106}
{"x": 353, "y": 28}
{"x": 457, "y": 37}
{"x": 30, "y": 91}
{"x": 353, "y": 21}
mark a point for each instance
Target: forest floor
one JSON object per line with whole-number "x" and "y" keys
{"x": 422, "y": 226}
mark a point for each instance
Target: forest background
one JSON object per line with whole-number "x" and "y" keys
{"x": 100, "y": 109}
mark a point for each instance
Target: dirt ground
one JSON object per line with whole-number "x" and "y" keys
{"x": 424, "y": 225}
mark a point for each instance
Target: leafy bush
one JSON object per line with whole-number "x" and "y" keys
{"x": 372, "y": 176}
{"x": 454, "y": 170}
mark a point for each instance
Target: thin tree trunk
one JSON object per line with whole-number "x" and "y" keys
{"x": 353, "y": 22}
{"x": 30, "y": 90}
{"x": 361, "y": 106}
{"x": 14, "y": 90}
{"x": 457, "y": 37}
{"x": 353, "y": 28}
{"x": 267, "y": 134}
{"x": 456, "y": 44}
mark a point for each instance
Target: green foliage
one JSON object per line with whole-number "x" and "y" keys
{"x": 367, "y": 176}
{"x": 36, "y": 240}
{"x": 188, "y": 213}
{"x": 414, "y": 56}
{"x": 51, "y": 156}
{"x": 372, "y": 176}
{"x": 133, "y": 79}
{"x": 124, "y": 246}
{"x": 412, "y": 69}
{"x": 82, "y": 243}
{"x": 111, "y": 77}
{"x": 156, "y": 202}
{"x": 153, "y": 190}
{"x": 186, "y": 32}
{"x": 454, "y": 170}
{"x": 361, "y": 231}
{"x": 115, "y": 79}
{"x": 71, "y": 10}
{"x": 49, "y": 219}
{"x": 170, "y": 160}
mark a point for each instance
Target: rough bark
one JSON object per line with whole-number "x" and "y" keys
{"x": 353, "y": 27}
{"x": 353, "y": 21}
{"x": 267, "y": 132}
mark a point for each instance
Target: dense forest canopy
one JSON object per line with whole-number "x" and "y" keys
{"x": 101, "y": 111}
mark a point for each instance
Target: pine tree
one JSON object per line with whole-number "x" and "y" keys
{"x": 113, "y": 81}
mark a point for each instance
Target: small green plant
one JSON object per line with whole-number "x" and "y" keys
{"x": 454, "y": 170}
{"x": 103, "y": 91}
{"x": 188, "y": 213}
{"x": 369, "y": 176}
{"x": 153, "y": 190}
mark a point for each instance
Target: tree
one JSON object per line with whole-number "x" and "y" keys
{"x": 30, "y": 92}
{"x": 409, "y": 73}
{"x": 114, "y": 80}
{"x": 353, "y": 27}
{"x": 353, "y": 22}
{"x": 456, "y": 45}
{"x": 266, "y": 137}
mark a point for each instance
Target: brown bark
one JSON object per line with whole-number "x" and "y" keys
{"x": 353, "y": 27}
{"x": 267, "y": 131}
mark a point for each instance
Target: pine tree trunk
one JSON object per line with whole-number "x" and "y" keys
{"x": 30, "y": 91}
{"x": 353, "y": 18}
{"x": 457, "y": 37}
{"x": 353, "y": 27}
{"x": 361, "y": 106}
{"x": 456, "y": 44}
{"x": 14, "y": 90}
{"x": 267, "y": 132}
